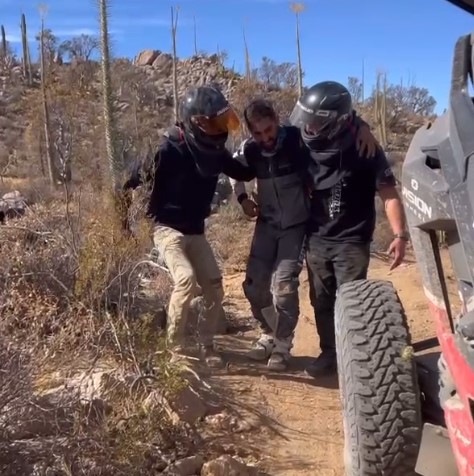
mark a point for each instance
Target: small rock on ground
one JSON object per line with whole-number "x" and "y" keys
{"x": 227, "y": 466}
{"x": 186, "y": 467}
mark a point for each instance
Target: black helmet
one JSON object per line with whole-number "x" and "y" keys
{"x": 322, "y": 111}
{"x": 207, "y": 118}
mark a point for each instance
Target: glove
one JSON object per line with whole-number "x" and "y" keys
{"x": 250, "y": 208}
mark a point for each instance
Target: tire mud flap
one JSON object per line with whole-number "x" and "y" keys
{"x": 436, "y": 456}
{"x": 378, "y": 381}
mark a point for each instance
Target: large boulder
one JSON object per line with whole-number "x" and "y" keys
{"x": 146, "y": 57}
{"x": 163, "y": 62}
{"x": 12, "y": 205}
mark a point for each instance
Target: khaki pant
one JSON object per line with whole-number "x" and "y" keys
{"x": 190, "y": 261}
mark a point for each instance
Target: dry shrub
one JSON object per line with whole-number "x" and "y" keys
{"x": 230, "y": 233}
{"x": 33, "y": 190}
{"x": 57, "y": 433}
{"x": 16, "y": 384}
{"x": 29, "y": 424}
{"x": 70, "y": 275}
{"x": 70, "y": 281}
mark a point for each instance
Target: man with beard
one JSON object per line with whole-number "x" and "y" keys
{"x": 342, "y": 206}
{"x": 183, "y": 180}
{"x": 279, "y": 161}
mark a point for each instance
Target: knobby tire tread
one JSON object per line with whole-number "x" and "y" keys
{"x": 378, "y": 382}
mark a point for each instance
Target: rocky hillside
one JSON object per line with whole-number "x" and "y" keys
{"x": 144, "y": 103}
{"x": 196, "y": 70}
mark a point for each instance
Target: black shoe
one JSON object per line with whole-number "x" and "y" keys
{"x": 324, "y": 365}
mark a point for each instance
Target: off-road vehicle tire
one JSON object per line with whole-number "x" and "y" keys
{"x": 377, "y": 380}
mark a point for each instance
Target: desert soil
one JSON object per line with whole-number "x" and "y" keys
{"x": 296, "y": 420}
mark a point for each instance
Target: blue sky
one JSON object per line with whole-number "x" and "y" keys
{"x": 411, "y": 40}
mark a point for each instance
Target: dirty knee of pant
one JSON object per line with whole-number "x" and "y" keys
{"x": 285, "y": 288}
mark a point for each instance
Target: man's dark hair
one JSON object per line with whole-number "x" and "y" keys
{"x": 259, "y": 109}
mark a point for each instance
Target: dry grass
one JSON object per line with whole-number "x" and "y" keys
{"x": 72, "y": 304}
{"x": 230, "y": 234}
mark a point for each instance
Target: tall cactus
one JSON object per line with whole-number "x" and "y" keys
{"x": 44, "y": 97}
{"x": 380, "y": 107}
{"x": 4, "y": 43}
{"x": 297, "y": 9}
{"x": 195, "y": 36}
{"x": 28, "y": 64}
{"x": 248, "y": 65}
{"x": 174, "y": 29}
{"x": 24, "y": 44}
{"x": 113, "y": 156}
{"x": 363, "y": 81}
{"x": 26, "y": 52}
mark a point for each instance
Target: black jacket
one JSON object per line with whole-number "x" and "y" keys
{"x": 181, "y": 196}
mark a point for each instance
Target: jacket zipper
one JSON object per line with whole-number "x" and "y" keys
{"x": 275, "y": 188}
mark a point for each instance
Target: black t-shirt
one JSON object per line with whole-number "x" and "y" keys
{"x": 345, "y": 212}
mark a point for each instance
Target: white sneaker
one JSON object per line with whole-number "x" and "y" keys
{"x": 263, "y": 348}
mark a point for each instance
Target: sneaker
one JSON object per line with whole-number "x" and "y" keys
{"x": 324, "y": 365}
{"x": 211, "y": 357}
{"x": 280, "y": 355}
{"x": 263, "y": 348}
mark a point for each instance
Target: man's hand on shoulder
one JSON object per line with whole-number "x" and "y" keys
{"x": 366, "y": 142}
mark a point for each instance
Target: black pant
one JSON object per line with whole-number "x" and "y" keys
{"x": 329, "y": 266}
{"x": 272, "y": 278}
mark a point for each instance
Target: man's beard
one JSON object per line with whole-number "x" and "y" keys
{"x": 268, "y": 146}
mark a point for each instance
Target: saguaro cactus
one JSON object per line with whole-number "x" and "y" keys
{"x": 174, "y": 29}
{"x": 380, "y": 107}
{"x": 297, "y": 9}
{"x": 114, "y": 158}
{"x": 28, "y": 65}
{"x": 26, "y": 52}
{"x": 4, "y": 42}
{"x": 44, "y": 97}
{"x": 24, "y": 44}
{"x": 248, "y": 65}
{"x": 195, "y": 36}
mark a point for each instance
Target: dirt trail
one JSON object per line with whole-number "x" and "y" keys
{"x": 299, "y": 432}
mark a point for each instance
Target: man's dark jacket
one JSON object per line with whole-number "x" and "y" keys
{"x": 181, "y": 193}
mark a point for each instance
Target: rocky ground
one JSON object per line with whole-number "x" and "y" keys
{"x": 298, "y": 431}
{"x": 240, "y": 421}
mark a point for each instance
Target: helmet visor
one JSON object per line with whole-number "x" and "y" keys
{"x": 226, "y": 121}
{"x": 313, "y": 122}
